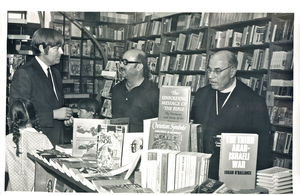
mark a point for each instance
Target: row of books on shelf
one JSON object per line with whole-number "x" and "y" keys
{"x": 184, "y": 21}
{"x": 194, "y": 81}
{"x": 145, "y": 29}
{"x": 282, "y": 162}
{"x": 282, "y": 60}
{"x": 281, "y": 115}
{"x": 216, "y": 19}
{"x": 251, "y": 35}
{"x": 85, "y": 67}
{"x": 148, "y": 46}
{"x": 257, "y": 84}
{"x": 258, "y": 60}
{"x": 184, "y": 42}
{"x": 183, "y": 62}
{"x": 107, "y": 32}
{"x": 281, "y": 87}
{"x": 276, "y": 179}
{"x": 113, "y": 17}
{"x": 282, "y": 142}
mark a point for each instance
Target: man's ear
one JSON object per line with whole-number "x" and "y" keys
{"x": 41, "y": 48}
{"x": 139, "y": 66}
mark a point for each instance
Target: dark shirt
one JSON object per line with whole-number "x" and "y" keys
{"x": 244, "y": 112}
{"x": 138, "y": 104}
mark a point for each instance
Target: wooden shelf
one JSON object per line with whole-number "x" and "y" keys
{"x": 149, "y": 37}
{"x": 243, "y": 48}
{"x": 185, "y": 72}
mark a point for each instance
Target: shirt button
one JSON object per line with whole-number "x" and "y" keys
{"x": 126, "y": 99}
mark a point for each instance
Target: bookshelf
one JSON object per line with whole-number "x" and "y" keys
{"x": 19, "y": 32}
{"x": 263, "y": 43}
{"x": 86, "y": 70}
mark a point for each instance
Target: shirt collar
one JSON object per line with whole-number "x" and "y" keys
{"x": 42, "y": 64}
{"x": 230, "y": 88}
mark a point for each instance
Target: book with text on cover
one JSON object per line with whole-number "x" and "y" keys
{"x": 174, "y": 103}
{"x": 238, "y": 156}
{"x": 169, "y": 135}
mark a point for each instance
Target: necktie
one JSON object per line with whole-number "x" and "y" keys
{"x": 50, "y": 80}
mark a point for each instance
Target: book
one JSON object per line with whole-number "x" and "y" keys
{"x": 174, "y": 103}
{"x": 238, "y": 155}
{"x": 209, "y": 186}
{"x": 169, "y": 135}
{"x": 85, "y": 132}
{"x": 64, "y": 148}
{"x": 74, "y": 67}
{"x": 133, "y": 142}
{"x": 106, "y": 108}
{"x": 109, "y": 145}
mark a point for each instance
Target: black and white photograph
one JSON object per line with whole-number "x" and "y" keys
{"x": 237, "y": 61}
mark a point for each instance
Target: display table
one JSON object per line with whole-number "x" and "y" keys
{"x": 46, "y": 175}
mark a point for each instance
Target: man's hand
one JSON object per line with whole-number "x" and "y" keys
{"x": 62, "y": 113}
{"x": 69, "y": 122}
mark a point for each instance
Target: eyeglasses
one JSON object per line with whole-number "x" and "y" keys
{"x": 217, "y": 70}
{"x": 125, "y": 61}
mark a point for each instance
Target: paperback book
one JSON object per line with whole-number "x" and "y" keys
{"x": 174, "y": 103}
{"x": 238, "y": 155}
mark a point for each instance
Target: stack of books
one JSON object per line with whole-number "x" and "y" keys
{"x": 277, "y": 180}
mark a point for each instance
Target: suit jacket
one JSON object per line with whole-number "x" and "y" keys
{"x": 30, "y": 82}
{"x": 244, "y": 112}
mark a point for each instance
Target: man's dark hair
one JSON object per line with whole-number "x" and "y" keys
{"x": 46, "y": 37}
{"x": 90, "y": 105}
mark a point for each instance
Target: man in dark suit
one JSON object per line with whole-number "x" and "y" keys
{"x": 227, "y": 105}
{"x": 41, "y": 83}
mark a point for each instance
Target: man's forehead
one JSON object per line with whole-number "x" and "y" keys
{"x": 218, "y": 62}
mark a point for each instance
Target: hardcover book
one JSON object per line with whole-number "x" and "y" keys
{"x": 85, "y": 132}
{"x": 169, "y": 135}
{"x": 174, "y": 103}
{"x": 238, "y": 155}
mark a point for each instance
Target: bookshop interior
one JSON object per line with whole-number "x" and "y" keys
{"x": 149, "y": 102}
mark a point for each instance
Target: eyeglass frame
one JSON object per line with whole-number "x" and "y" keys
{"x": 217, "y": 71}
{"x": 126, "y": 62}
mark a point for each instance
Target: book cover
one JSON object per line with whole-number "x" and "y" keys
{"x": 209, "y": 186}
{"x": 238, "y": 156}
{"x": 174, "y": 103}
{"x": 106, "y": 108}
{"x": 64, "y": 148}
{"x": 109, "y": 145}
{"x": 85, "y": 133}
{"x": 133, "y": 142}
{"x": 74, "y": 67}
{"x": 169, "y": 135}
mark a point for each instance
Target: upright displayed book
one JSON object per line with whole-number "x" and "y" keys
{"x": 169, "y": 135}
{"x": 238, "y": 156}
{"x": 98, "y": 140}
{"x": 85, "y": 132}
{"x": 174, "y": 103}
{"x": 277, "y": 180}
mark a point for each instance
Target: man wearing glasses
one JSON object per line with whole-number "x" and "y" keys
{"x": 41, "y": 83}
{"x": 227, "y": 105}
{"x": 136, "y": 97}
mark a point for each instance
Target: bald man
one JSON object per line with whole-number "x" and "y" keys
{"x": 227, "y": 105}
{"x": 135, "y": 97}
